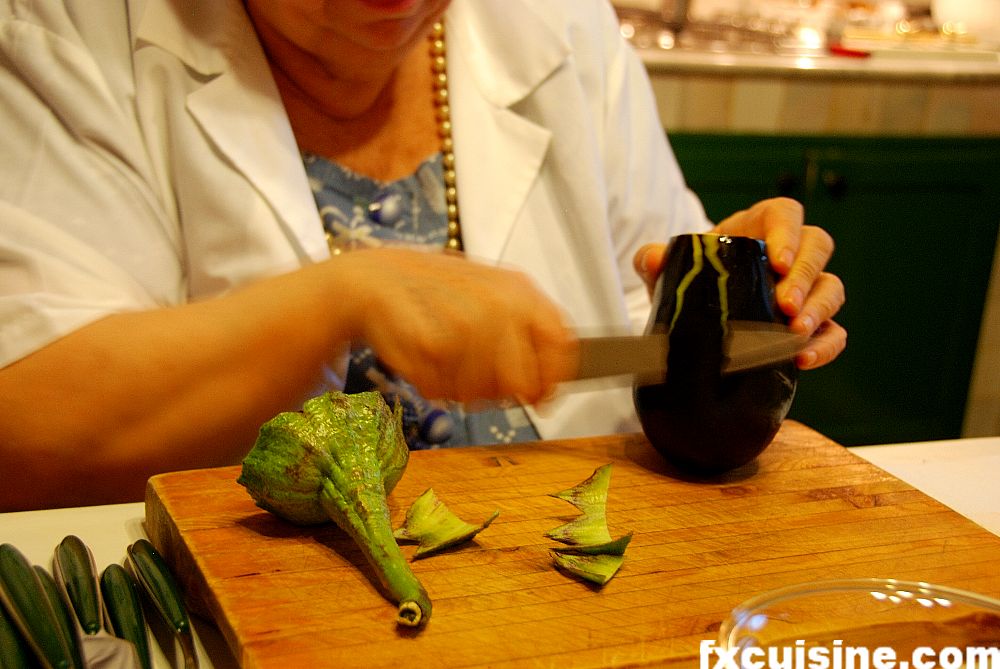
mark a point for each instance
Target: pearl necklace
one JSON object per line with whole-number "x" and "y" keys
{"x": 442, "y": 109}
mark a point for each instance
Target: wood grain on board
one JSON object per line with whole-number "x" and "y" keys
{"x": 807, "y": 509}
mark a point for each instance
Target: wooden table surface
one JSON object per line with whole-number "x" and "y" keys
{"x": 807, "y": 509}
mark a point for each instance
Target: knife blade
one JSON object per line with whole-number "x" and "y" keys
{"x": 753, "y": 344}
{"x": 747, "y": 345}
{"x": 639, "y": 355}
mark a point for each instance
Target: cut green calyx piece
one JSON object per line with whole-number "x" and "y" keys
{"x": 595, "y": 568}
{"x": 591, "y": 498}
{"x": 338, "y": 459}
{"x": 590, "y": 552}
{"x": 432, "y": 524}
{"x": 613, "y": 547}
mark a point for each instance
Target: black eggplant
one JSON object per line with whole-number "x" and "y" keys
{"x": 702, "y": 420}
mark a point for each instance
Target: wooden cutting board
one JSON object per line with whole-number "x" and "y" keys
{"x": 807, "y": 509}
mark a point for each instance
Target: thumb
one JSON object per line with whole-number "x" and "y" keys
{"x": 648, "y": 262}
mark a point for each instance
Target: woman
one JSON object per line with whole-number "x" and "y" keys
{"x": 167, "y": 283}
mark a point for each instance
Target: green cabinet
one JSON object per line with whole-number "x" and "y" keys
{"x": 915, "y": 221}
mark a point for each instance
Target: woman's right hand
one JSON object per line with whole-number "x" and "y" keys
{"x": 458, "y": 329}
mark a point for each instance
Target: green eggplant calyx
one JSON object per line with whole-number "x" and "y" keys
{"x": 364, "y": 515}
{"x": 590, "y": 552}
{"x": 435, "y": 527}
{"x": 591, "y": 498}
{"x": 338, "y": 459}
{"x": 614, "y": 547}
{"x": 595, "y": 568}
{"x": 410, "y": 614}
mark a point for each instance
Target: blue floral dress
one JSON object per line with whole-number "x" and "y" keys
{"x": 361, "y": 212}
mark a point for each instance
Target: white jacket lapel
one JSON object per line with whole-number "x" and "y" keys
{"x": 491, "y": 138}
{"x": 262, "y": 146}
{"x": 239, "y": 108}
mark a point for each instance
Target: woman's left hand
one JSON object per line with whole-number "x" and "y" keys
{"x": 807, "y": 294}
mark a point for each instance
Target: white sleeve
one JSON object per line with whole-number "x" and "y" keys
{"x": 83, "y": 231}
{"x": 649, "y": 200}
{"x": 51, "y": 283}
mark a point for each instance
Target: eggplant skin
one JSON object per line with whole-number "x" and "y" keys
{"x": 709, "y": 424}
{"x": 701, "y": 420}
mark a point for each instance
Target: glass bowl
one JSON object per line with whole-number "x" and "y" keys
{"x": 864, "y": 613}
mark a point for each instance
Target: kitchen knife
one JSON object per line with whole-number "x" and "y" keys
{"x": 747, "y": 345}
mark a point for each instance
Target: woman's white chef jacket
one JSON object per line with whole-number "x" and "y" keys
{"x": 147, "y": 160}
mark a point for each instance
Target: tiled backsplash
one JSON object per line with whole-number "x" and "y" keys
{"x": 825, "y": 105}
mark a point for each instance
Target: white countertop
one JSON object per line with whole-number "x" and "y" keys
{"x": 959, "y": 473}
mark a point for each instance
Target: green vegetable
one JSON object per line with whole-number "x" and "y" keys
{"x": 63, "y": 610}
{"x": 124, "y": 608}
{"x": 74, "y": 565}
{"x": 590, "y": 553}
{"x": 14, "y": 652}
{"x": 154, "y": 575}
{"x": 614, "y": 547}
{"x": 432, "y": 524}
{"x": 37, "y": 610}
{"x": 591, "y": 498}
{"x": 338, "y": 459}
{"x": 595, "y": 568}
{"x": 157, "y": 581}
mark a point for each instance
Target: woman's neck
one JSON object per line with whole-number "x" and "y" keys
{"x": 342, "y": 81}
{"x": 371, "y": 111}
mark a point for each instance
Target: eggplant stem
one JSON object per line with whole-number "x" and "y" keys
{"x": 410, "y": 614}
